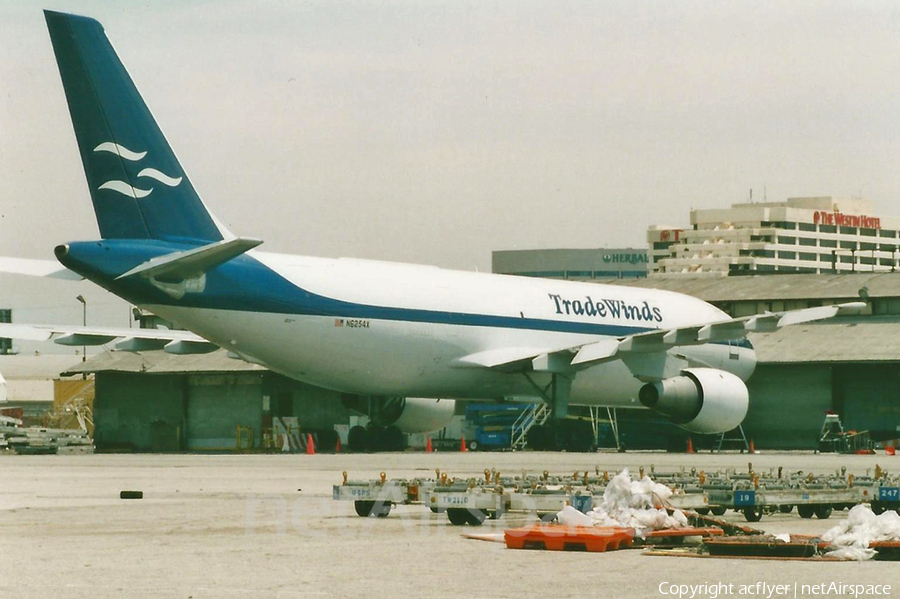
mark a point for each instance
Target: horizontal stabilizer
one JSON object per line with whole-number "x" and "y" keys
{"x": 193, "y": 263}
{"x": 50, "y": 269}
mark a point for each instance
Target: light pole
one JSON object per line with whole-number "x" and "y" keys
{"x": 83, "y": 301}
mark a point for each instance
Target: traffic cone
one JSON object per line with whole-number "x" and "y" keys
{"x": 690, "y": 447}
{"x": 752, "y": 447}
{"x": 310, "y": 446}
{"x": 428, "y": 447}
{"x": 337, "y": 446}
{"x": 462, "y": 445}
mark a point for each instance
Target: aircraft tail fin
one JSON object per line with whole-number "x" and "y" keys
{"x": 137, "y": 185}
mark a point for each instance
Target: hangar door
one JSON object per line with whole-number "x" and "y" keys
{"x": 217, "y": 405}
{"x": 787, "y": 405}
{"x": 869, "y": 398}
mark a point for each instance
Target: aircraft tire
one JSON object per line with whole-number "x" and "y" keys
{"x": 358, "y": 439}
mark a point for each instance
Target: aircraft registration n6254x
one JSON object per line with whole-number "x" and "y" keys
{"x": 401, "y": 341}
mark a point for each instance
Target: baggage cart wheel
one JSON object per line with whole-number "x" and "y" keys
{"x": 475, "y": 517}
{"x": 703, "y": 511}
{"x": 785, "y": 509}
{"x": 437, "y": 510}
{"x": 805, "y": 511}
{"x": 823, "y": 511}
{"x": 753, "y": 513}
{"x": 363, "y": 508}
{"x": 457, "y": 516}
{"x": 718, "y": 510}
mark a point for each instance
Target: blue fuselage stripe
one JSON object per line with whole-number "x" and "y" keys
{"x": 245, "y": 284}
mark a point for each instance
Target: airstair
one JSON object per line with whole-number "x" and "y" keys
{"x": 537, "y": 413}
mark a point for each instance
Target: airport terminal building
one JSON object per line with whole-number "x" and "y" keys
{"x": 799, "y": 235}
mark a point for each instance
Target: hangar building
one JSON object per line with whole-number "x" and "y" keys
{"x": 155, "y": 401}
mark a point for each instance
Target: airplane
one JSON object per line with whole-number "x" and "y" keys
{"x": 402, "y": 342}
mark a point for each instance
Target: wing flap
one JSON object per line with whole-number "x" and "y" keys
{"x": 132, "y": 339}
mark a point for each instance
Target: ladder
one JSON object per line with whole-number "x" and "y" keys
{"x": 738, "y": 438}
{"x": 537, "y": 413}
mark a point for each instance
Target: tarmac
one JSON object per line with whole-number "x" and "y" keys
{"x": 230, "y": 526}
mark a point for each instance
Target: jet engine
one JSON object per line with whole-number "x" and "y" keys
{"x": 408, "y": 414}
{"x": 701, "y": 400}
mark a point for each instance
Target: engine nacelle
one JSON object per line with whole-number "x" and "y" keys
{"x": 424, "y": 415}
{"x": 409, "y": 414}
{"x": 701, "y": 400}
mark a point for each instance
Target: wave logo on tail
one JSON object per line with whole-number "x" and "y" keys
{"x": 127, "y": 189}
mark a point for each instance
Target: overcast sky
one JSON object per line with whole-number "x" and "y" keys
{"x": 436, "y": 132}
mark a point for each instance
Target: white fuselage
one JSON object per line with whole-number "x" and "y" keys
{"x": 416, "y": 356}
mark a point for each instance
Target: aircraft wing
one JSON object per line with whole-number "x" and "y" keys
{"x": 653, "y": 345}
{"x": 174, "y": 342}
{"x": 662, "y": 340}
{"x": 50, "y": 269}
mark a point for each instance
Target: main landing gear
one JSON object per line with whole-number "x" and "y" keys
{"x": 559, "y": 433}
